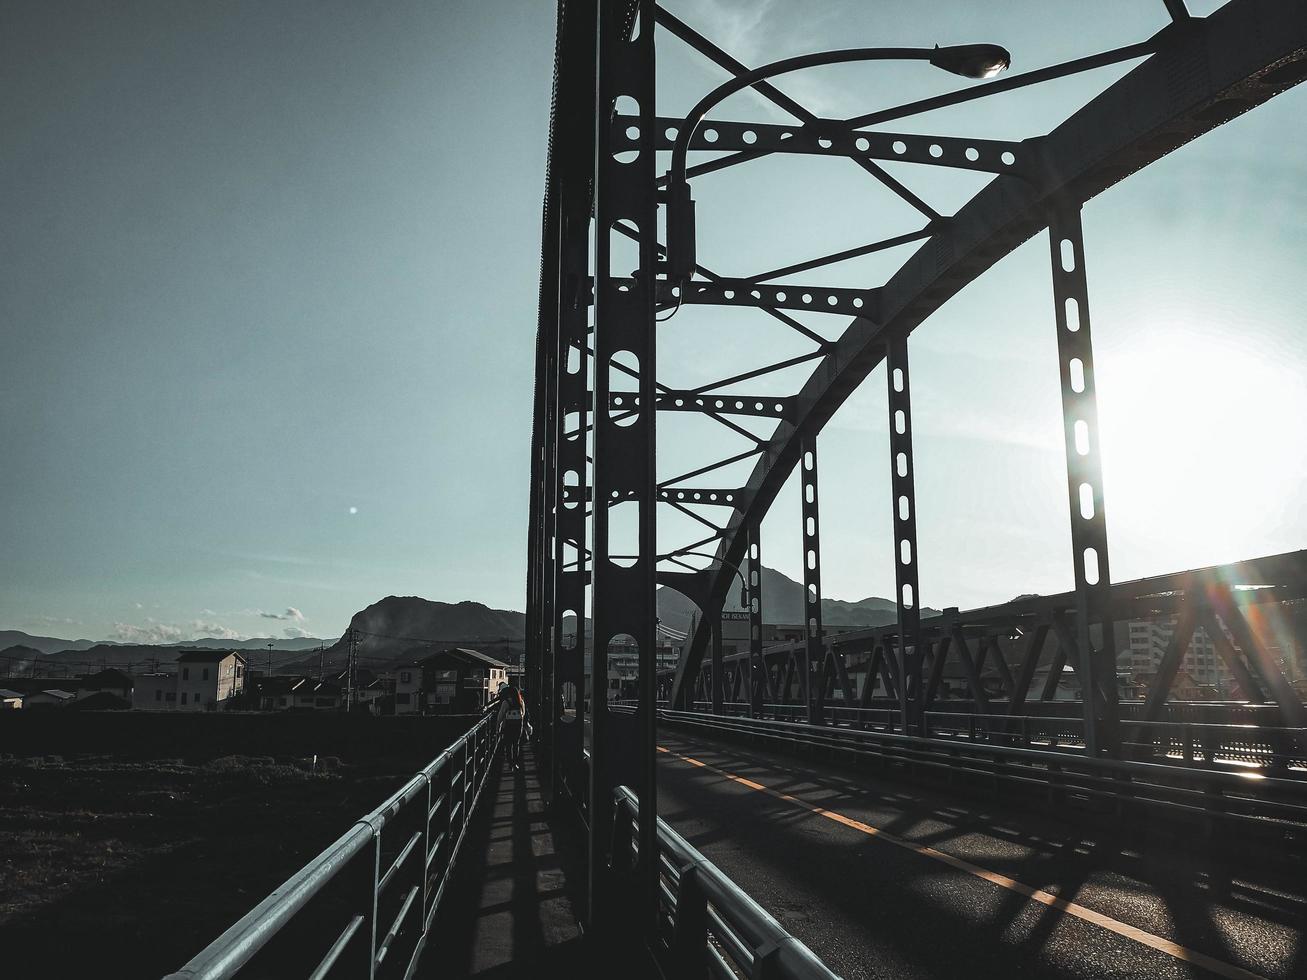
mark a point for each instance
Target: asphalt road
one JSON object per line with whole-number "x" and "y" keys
{"x": 906, "y": 879}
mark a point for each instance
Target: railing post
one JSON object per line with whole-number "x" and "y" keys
{"x": 426, "y": 853}
{"x": 690, "y": 939}
{"x": 375, "y": 880}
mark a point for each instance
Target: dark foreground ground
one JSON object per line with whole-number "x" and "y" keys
{"x": 127, "y": 869}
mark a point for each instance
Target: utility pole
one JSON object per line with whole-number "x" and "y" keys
{"x": 320, "y": 655}
{"x": 351, "y": 640}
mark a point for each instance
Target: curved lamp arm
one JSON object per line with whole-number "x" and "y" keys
{"x": 970, "y": 60}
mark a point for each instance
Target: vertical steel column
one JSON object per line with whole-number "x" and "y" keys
{"x": 1095, "y": 662}
{"x": 757, "y": 669}
{"x": 574, "y": 145}
{"x": 905, "y": 533}
{"x": 812, "y": 648}
{"x": 624, "y": 451}
{"x": 717, "y": 680}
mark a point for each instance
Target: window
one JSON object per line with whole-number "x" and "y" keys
{"x": 183, "y": 697}
{"x": 206, "y": 674}
{"x": 158, "y": 694}
{"x": 405, "y": 677}
{"x": 401, "y": 698}
{"x": 186, "y": 673}
{"x": 238, "y": 670}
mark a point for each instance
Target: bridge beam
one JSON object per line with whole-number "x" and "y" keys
{"x": 812, "y": 649}
{"x": 564, "y": 715}
{"x": 625, "y": 485}
{"x": 907, "y": 594}
{"x": 1096, "y": 663}
{"x": 759, "y": 682}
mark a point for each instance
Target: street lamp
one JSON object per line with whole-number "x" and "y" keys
{"x": 968, "y": 60}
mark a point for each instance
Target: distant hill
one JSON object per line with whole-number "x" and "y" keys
{"x": 139, "y": 658}
{"x": 782, "y": 602}
{"x": 258, "y": 643}
{"x": 16, "y": 659}
{"x": 45, "y": 644}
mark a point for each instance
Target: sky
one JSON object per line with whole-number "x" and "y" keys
{"x": 268, "y": 277}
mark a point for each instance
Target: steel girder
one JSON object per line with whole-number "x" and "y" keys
{"x": 1204, "y": 73}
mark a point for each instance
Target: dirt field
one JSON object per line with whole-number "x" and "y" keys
{"x": 127, "y": 869}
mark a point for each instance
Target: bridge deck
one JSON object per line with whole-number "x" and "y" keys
{"x": 511, "y": 909}
{"x": 887, "y": 877}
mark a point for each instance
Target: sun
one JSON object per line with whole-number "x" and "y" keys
{"x": 1201, "y": 442}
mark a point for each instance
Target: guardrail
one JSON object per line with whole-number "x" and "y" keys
{"x": 383, "y": 879}
{"x": 709, "y": 925}
{"x": 1182, "y": 742}
{"x": 1248, "y": 799}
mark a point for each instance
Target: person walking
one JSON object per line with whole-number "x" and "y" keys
{"x": 512, "y": 721}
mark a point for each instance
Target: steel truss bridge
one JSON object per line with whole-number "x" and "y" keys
{"x": 619, "y": 184}
{"x": 970, "y": 697}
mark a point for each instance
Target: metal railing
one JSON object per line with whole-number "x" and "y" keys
{"x": 708, "y": 924}
{"x": 381, "y": 882}
{"x": 1247, "y": 799}
{"x": 1238, "y": 737}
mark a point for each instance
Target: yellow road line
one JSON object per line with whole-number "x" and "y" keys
{"x": 1183, "y": 953}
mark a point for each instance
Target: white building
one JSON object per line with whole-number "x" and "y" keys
{"x": 1149, "y": 639}
{"x": 154, "y": 692}
{"x": 206, "y": 678}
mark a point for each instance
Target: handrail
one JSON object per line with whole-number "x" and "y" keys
{"x": 1213, "y": 794}
{"x": 1276, "y": 749}
{"x": 711, "y": 915}
{"x": 457, "y": 794}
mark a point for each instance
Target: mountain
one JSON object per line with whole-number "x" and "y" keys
{"x": 406, "y": 627}
{"x": 257, "y": 643}
{"x": 45, "y": 644}
{"x": 782, "y": 602}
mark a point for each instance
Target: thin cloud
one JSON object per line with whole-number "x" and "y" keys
{"x": 154, "y": 632}
{"x": 291, "y": 614}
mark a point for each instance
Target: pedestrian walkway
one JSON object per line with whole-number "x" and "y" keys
{"x": 511, "y": 910}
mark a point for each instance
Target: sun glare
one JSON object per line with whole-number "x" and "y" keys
{"x": 1200, "y": 451}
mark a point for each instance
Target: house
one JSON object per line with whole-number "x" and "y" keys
{"x": 405, "y": 682}
{"x": 274, "y": 693}
{"x": 53, "y": 698}
{"x": 108, "y": 681}
{"x": 376, "y": 696}
{"x": 10, "y": 700}
{"x": 154, "y": 691}
{"x": 311, "y": 695}
{"x": 100, "y": 701}
{"x": 459, "y": 680}
{"x": 207, "y": 678}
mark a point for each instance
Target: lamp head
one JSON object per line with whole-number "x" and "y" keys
{"x": 971, "y": 60}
